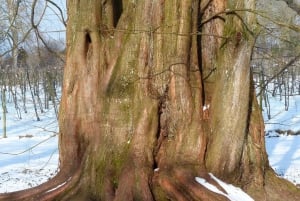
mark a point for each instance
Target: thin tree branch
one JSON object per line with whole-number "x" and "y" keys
{"x": 14, "y": 17}
{"x": 257, "y": 12}
{"x": 30, "y": 148}
{"x": 37, "y": 32}
{"x": 60, "y": 11}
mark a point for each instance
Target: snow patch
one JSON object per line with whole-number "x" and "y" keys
{"x": 284, "y": 149}
{"x": 60, "y": 185}
{"x": 206, "y": 107}
{"x": 232, "y": 193}
{"x": 29, "y": 154}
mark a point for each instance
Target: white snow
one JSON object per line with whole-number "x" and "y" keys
{"x": 29, "y": 154}
{"x": 284, "y": 150}
{"x": 280, "y": 118}
{"x": 206, "y": 107}
{"x": 232, "y": 193}
{"x": 60, "y": 185}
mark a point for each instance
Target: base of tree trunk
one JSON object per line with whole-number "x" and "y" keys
{"x": 275, "y": 188}
{"x": 177, "y": 183}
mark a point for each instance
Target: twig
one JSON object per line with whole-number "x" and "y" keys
{"x": 26, "y": 150}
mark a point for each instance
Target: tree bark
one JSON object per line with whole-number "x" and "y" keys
{"x": 154, "y": 95}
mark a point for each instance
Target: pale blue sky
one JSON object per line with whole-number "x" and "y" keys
{"x": 52, "y": 25}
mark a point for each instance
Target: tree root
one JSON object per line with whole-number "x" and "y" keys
{"x": 180, "y": 184}
{"x": 276, "y": 189}
{"x": 176, "y": 184}
{"x": 134, "y": 184}
{"x": 47, "y": 191}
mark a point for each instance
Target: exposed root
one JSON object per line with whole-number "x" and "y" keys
{"x": 109, "y": 191}
{"x": 45, "y": 192}
{"x": 179, "y": 184}
{"x": 134, "y": 184}
{"x": 277, "y": 189}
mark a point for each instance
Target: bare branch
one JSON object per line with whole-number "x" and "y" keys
{"x": 30, "y": 148}
{"x": 60, "y": 11}
{"x": 37, "y": 32}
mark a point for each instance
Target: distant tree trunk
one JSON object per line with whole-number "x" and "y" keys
{"x": 32, "y": 94}
{"x": 4, "y": 109}
{"x": 13, "y": 7}
{"x": 156, "y": 93}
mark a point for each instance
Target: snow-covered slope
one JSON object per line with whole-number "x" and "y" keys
{"x": 29, "y": 154}
{"x": 284, "y": 149}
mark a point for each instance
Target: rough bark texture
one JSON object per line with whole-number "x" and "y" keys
{"x": 155, "y": 95}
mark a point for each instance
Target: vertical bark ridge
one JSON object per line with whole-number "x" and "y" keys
{"x": 254, "y": 162}
{"x": 130, "y": 124}
{"x": 84, "y": 43}
{"x": 233, "y": 79}
{"x": 211, "y": 40}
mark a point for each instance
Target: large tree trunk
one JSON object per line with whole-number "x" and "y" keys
{"x": 155, "y": 95}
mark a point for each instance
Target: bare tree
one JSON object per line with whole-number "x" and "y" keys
{"x": 15, "y": 27}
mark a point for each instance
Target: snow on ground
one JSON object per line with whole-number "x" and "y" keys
{"x": 29, "y": 154}
{"x": 284, "y": 156}
{"x": 280, "y": 118}
{"x": 284, "y": 150}
{"x": 232, "y": 193}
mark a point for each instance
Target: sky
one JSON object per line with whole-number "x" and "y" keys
{"x": 52, "y": 25}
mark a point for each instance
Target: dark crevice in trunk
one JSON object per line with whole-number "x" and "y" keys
{"x": 88, "y": 37}
{"x": 87, "y": 43}
{"x": 117, "y": 9}
{"x": 252, "y": 89}
{"x": 199, "y": 50}
{"x": 200, "y": 64}
{"x": 155, "y": 165}
{"x": 159, "y": 137}
{"x": 162, "y": 131}
{"x": 88, "y": 49}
